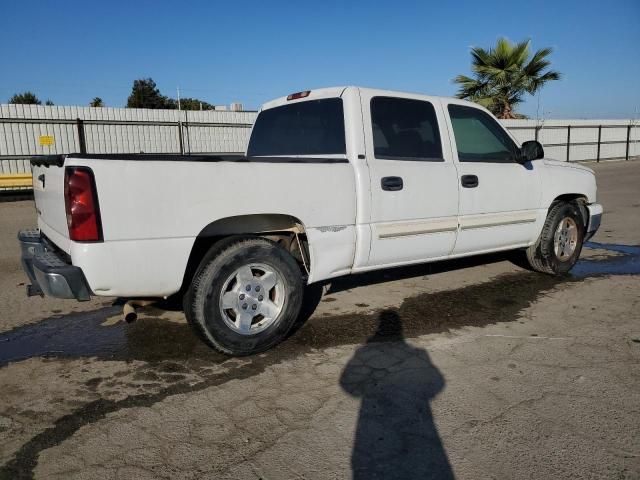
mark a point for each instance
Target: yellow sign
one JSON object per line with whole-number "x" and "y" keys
{"x": 47, "y": 140}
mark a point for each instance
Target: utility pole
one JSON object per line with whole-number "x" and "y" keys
{"x": 178, "y": 89}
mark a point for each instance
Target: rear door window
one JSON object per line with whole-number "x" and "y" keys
{"x": 405, "y": 129}
{"x": 314, "y": 127}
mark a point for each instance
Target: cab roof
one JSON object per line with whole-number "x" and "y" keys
{"x": 332, "y": 92}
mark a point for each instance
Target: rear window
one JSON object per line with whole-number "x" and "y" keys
{"x": 314, "y": 127}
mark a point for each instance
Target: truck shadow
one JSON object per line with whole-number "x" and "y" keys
{"x": 621, "y": 260}
{"x": 155, "y": 339}
{"x": 496, "y": 301}
{"x": 15, "y": 195}
{"x": 413, "y": 271}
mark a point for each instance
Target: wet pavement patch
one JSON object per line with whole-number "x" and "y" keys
{"x": 167, "y": 344}
{"x": 84, "y": 335}
{"x": 499, "y": 300}
{"x": 624, "y": 261}
{"x": 93, "y": 383}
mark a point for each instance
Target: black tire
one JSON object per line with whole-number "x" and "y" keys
{"x": 202, "y": 300}
{"x": 541, "y": 256}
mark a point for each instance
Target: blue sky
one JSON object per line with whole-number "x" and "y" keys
{"x": 252, "y": 51}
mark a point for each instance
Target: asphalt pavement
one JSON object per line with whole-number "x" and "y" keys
{"x": 467, "y": 369}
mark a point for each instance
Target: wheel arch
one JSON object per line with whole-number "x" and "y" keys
{"x": 578, "y": 198}
{"x": 286, "y": 230}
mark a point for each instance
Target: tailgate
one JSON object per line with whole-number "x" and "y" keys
{"x": 48, "y": 192}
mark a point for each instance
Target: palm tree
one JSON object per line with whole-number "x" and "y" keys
{"x": 504, "y": 74}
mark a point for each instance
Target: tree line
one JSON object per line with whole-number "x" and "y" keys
{"x": 144, "y": 94}
{"x": 502, "y": 76}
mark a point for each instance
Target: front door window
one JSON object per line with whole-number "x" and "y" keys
{"x": 479, "y": 138}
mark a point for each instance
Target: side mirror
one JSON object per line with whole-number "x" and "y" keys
{"x": 531, "y": 150}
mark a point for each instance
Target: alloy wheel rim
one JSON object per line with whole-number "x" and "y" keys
{"x": 565, "y": 239}
{"x": 252, "y": 298}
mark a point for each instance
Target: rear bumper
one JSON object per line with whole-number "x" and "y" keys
{"x": 48, "y": 271}
{"x": 595, "y": 217}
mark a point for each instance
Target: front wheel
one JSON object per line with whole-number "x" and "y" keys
{"x": 245, "y": 297}
{"x": 560, "y": 243}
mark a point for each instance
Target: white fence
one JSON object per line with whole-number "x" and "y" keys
{"x": 28, "y": 130}
{"x": 579, "y": 140}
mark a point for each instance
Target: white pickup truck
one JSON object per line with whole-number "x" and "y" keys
{"x": 335, "y": 181}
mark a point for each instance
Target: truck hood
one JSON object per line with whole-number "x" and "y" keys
{"x": 561, "y": 178}
{"x": 577, "y": 166}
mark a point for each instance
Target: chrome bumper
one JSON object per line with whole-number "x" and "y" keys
{"x": 47, "y": 270}
{"x": 595, "y": 217}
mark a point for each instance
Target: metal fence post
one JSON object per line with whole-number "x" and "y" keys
{"x": 626, "y": 156}
{"x": 82, "y": 141}
{"x": 599, "y": 138}
{"x": 187, "y": 134}
{"x": 568, "y": 140}
{"x": 180, "y": 137}
{"x": 537, "y": 129}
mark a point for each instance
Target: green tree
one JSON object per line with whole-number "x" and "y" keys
{"x": 25, "y": 98}
{"x": 49, "y": 103}
{"x": 145, "y": 94}
{"x": 504, "y": 74}
{"x": 96, "y": 102}
{"x": 195, "y": 104}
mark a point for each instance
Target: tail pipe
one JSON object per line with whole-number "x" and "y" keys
{"x": 129, "y": 310}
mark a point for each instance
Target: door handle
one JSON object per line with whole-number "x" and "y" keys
{"x": 469, "y": 181}
{"x": 391, "y": 184}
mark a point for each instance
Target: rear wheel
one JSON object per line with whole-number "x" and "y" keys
{"x": 245, "y": 297}
{"x": 560, "y": 243}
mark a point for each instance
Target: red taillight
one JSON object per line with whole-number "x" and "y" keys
{"x": 81, "y": 202}
{"x": 297, "y": 95}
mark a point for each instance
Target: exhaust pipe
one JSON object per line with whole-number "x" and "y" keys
{"x": 129, "y": 310}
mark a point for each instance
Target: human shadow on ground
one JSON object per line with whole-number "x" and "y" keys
{"x": 396, "y": 437}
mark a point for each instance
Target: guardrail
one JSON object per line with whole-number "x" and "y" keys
{"x": 628, "y": 141}
{"x": 15, "y": 181}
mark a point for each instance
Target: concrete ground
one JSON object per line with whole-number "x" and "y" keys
{"x": 472, "y": 370}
